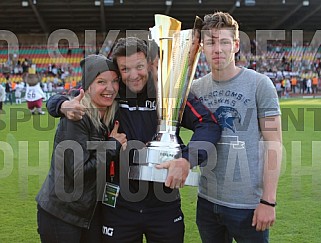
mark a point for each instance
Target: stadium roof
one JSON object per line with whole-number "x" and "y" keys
{"x": 45, "y": 16}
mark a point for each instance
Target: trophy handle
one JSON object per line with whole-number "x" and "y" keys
{"x": 193, "y": 57}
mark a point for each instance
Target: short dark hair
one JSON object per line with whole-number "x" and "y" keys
{"x": 128, "y": 46}
{"x": 220, "y": 20}
{"x": 153, "y": 50}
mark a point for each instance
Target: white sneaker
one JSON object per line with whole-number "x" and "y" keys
{"x": 41, "y": 113}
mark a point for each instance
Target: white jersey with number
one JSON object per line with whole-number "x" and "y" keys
{"x": 34, "y": 93}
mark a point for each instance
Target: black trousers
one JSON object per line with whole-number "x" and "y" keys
{"x": 127, "y": 226}
{"x": 53, "y": 230}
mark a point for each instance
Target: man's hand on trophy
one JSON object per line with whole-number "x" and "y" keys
{"x": 72, "y": 109}
{"x": 178, "y": 170}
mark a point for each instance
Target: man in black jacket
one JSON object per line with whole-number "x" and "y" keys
{"x": 139, "y": 209}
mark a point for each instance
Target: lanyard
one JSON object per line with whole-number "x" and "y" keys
{"x": 112, "y": 170}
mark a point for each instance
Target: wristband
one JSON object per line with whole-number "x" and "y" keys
{"x": 267, "y": 203}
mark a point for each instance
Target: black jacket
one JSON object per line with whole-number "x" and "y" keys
{"x": 76, "y": 177}
{"x": 138, "y": 120}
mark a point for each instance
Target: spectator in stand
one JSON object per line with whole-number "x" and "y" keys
{"x": 309, "y": 86}
{"x": 13, "y": 89}
{"x": 302, "y": 84}
{"x": 56, "y": 81}
{"x": 2, "y": 96}
{"x": 294, "y": 83}
{"x": 315, "y": 82}
{"x": 305, "y": 85}
{"x": 54, "y": 70}
{"x": 50, "y": 88}
{"x": 45, "y": 89}
{"x": 317, "y": 66}
{"x": 279, "y": 89}
{"x": 18, "y": 92}
{"x": 8, "y": 90}
{"x": 67, "y": 86}
{"x": 49, "y": 68}
{"x": 73, "y": 83}
{"x": 287, "y": 87}
{"x": 25, "y": 66}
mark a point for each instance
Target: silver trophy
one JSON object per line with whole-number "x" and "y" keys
{"x": 179, "y": 53}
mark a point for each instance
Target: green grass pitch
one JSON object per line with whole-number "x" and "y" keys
{"x": 26, "y": 146}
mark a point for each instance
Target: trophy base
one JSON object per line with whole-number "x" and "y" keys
{"x": 150, "y": 173}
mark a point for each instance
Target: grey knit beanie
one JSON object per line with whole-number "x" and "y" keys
{"x": 92, "y": 66}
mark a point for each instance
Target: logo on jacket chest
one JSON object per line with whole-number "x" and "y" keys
{"x": 150, "y": 104}
{"x": 108, "y": 231}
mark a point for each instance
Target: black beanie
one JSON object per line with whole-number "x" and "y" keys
{"x": 92, "y": 66}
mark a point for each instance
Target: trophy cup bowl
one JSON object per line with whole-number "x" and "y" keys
{"x": 177, "y": 64}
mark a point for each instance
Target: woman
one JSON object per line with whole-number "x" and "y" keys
{"x": 68, "y": 208}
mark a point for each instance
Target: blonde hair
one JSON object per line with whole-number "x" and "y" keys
{"x": 220, "y": 20}
{"x": 93, "y": 112}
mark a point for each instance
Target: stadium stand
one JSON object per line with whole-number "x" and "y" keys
{"x": 279, "y": 62}
{"x": 33, "y": 22}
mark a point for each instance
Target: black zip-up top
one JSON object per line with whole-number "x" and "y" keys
{"x": 138, "y": 120}
{"x": 137, "y": 117}
{"x": 72, "y": 188}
